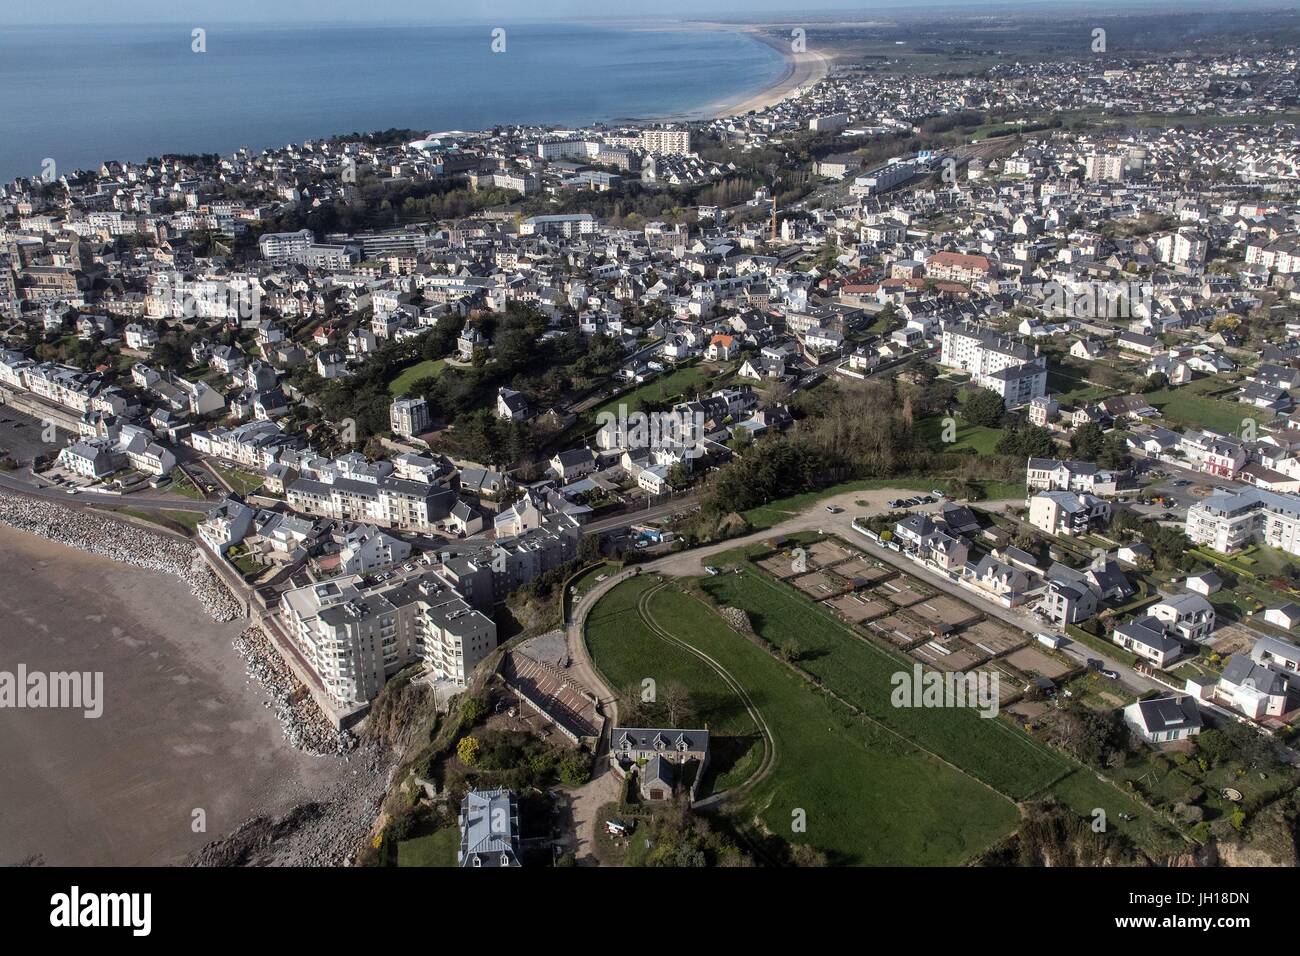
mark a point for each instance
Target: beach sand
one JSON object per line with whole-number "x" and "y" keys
{"x": 182, "y": 728}
{"x": 802, "y": 70}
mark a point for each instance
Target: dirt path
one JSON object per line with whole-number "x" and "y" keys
{"x": 586, "y": 801}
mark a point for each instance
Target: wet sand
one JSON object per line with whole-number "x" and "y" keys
{"x": 181, "y": 729}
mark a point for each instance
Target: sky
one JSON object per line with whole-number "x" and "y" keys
{"x": 198, "y": 12}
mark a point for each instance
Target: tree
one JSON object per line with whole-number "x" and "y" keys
{"x": 676, "y": 700}
{"x": 985, "y": 408}
{"x": 468, "y": 751}
{"x": 1155, "y": 382}
{"x": 1114, "y": 452}
{"x": 1087, "y": 441}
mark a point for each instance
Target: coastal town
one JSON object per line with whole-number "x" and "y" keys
{"x": 617, "y": 494}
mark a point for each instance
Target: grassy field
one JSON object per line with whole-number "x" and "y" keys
{"x": 433, "y": 849}
{"x": 848, "y": 664}
{"x": 241, "y": 481}
{"x": 627, "y": 652}
{"x": 1184, "y": 406}
{"x": 409, "y": 376}
{"x": 975, "y": 438}
{"x": 869, "y": 797}
{"x": 680, "y": 383}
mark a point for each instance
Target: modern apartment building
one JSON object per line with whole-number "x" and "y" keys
{"x": 666, "y": 142}
{"x": 355, "y": 632}
{"x": 1012, "y": 369}
{"x": 1230, "y": 521}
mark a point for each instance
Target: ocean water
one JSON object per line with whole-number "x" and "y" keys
{"x": 81, "y": 95}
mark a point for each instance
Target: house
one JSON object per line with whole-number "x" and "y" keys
{"x": 1253, "y": 689}
{"x": 1067, "y": 513}
{"x": 511, "y": 405}
{"x": 1066, "y": 599}
{"x": 1164, "y": 719}
{"x": 489, "y": 829}
{"x": 722, "y": 348}
{"x": 661, "y": 754}
{"x": 1006, "y": 584}
{"x": 1284, "y": 615}
{"x": 1147, "y": 639}
{"x": 573, "y": 463}
{"x": 1205, "y": 582}
{"x": 1189, "y": 616}
{"x": 1133, "y": 554}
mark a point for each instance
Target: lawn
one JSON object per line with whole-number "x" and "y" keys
{"x": 1083, "y": 792}
{"x": 409, "y": 376}
{"x": 433, "y": 849}
{"x": 240, "y": 481}
{"x": 868, "y": 796}
{"x": 847, "y": 663}
{"x": 1184, "y": 406}
{"x": 627, "y": 652}
{"x": 680, "y": 383}
{"x": 974, "y": 438}
{"x": 187, "y": 519}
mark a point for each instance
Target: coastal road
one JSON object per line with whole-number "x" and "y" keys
{"x": 10, "y": 482}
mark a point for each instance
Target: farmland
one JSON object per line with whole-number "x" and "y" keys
{"x": 869, "y": 796}
{"x": 860, "y": 672}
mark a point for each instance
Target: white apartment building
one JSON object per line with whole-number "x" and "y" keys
{"x": 356, "y": 633}
{"x": 1229, "y": 521}
{"x": 666, "y": 142}
{"x": 1012, "y": 369}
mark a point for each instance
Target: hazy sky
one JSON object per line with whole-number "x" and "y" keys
{"x": 214, "y": 11}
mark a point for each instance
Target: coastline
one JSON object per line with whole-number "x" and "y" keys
{"x": 185, "y": 727}
{"x": 802, "y": 70}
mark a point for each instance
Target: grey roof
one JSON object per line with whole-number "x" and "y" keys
{"x": 1162, "y": 714}
{"x": 489, "y": 829}
{"x": 1240, "y": 669}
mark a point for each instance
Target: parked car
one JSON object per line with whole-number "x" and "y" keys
{"x": 1113, "y": 675}
{"x": 710, "y": 569}
{"x": 833, "y": 509}
{"x": 938, "y": 494}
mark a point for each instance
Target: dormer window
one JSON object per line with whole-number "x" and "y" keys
{"x": 505, "y": 859}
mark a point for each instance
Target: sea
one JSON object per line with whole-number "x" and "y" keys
{"x": 81, "y": 95}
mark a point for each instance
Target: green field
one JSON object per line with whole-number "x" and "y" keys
{"x": 409, "y": 376}
{"x": 681, "y": 383}
{"x": 434, "y": 849}
{"x": 975, "y": 438}
{"x": 1183, "y": 406}
{"x": 869, "y": 797}
{"x": 845, "y": 662}
{"x": 241, "y": 481}
{"x": 627, "y": 652}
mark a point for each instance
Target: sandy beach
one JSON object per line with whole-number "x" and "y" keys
{"x": 802, "y": 70}
{"x": 182, "y": 728}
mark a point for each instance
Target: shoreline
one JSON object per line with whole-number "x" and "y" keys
{"x": 193, "y": 718}
{"x": 802, "y": 70}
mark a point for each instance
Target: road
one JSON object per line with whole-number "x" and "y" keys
{"x": 10, "y": 481}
